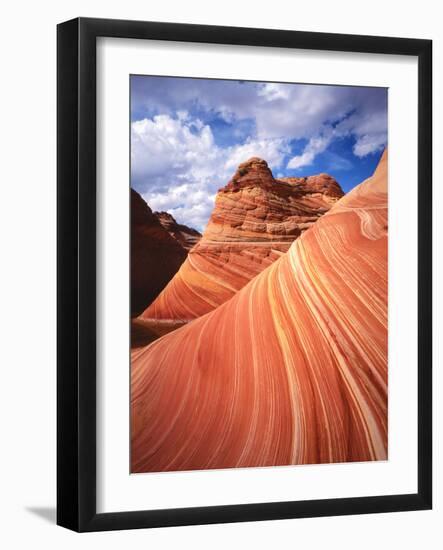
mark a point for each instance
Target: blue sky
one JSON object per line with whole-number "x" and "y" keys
{"x": 189, "y": 135}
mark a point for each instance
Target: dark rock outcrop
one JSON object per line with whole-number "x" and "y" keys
{"x": 157, "y": 252}
{"x": 186, "y": 236}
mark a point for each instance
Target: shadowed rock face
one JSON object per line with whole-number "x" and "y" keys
{"x": 291, "y": 370}
{"x": 157, "y": 251}
{"x": 185, "y": 235}
{"x": 254, "y": 221}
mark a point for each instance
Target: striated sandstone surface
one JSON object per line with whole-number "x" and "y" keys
{"x": 291, "y": 370}
{"x": 254, "y": 221}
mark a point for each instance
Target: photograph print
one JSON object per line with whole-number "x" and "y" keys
{"x": 259, "y": 274}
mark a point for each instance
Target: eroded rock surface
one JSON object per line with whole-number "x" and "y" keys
{"x": 291, "y": 370}
{"x": 254, "y": 221}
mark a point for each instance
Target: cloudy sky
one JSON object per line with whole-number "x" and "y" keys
{"x": 189, "y": 135}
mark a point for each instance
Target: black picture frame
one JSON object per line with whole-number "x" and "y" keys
{"x": 76, "y": 278}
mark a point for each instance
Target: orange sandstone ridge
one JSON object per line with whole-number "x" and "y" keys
{"x": 291, "y": 370}
{"x": 254, "y": 221}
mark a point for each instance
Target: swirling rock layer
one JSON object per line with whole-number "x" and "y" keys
{"x": 291, "y": 370}
{"x": 255, "y": 220}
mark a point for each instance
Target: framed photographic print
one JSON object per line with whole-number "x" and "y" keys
{"x": 244, "y": 274}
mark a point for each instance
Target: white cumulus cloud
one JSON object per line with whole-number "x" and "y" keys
{"x": 315, "y": 146}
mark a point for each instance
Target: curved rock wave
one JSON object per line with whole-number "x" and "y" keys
{"x": 291, "y": 370}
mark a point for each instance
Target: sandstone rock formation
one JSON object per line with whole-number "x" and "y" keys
{"x": 291, "y": 370}
{"x": 158, "y": 248}
{"x": 254, "y": 221}
{"x": 185, "y": 235}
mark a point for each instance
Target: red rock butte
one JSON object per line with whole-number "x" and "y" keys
{"x": 255, "y": 219}
{"x": 291, "y": 370}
